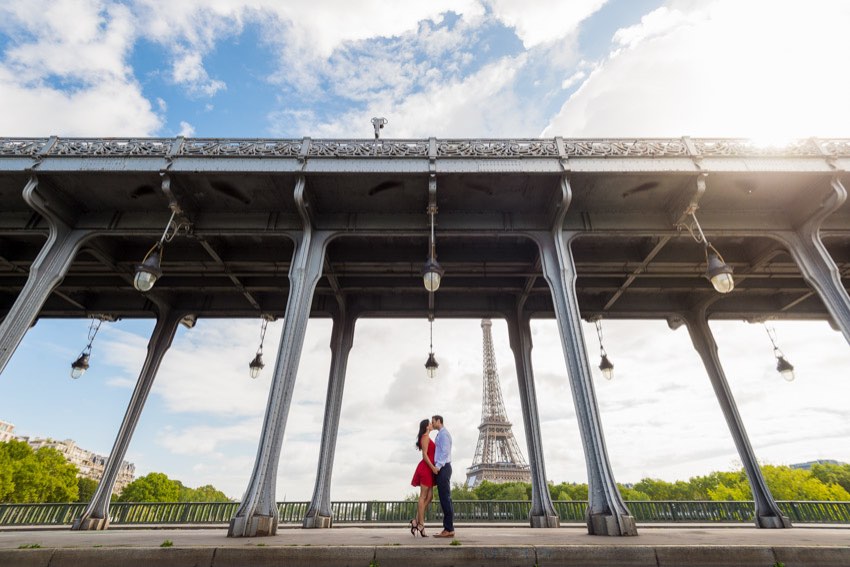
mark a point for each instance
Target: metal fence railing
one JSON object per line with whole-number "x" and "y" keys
{"x": 478, "y": 511}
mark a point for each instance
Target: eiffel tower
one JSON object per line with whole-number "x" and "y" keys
{"x": 497, "y": 455}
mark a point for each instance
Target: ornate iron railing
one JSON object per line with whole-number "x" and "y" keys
{"x": 308, "y": 148}
{"x": 474, "y": 511}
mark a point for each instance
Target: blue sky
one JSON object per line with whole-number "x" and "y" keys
{"x": 470, "y": 68}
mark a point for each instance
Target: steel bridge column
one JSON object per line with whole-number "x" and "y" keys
{"x": 319, "y": 514}
{"x": 815, "y": 263}
{"x": 543, "y": 514}
{"x": 46, "y": 272}
{"x": 96, "y": 514}
{"x": 257, "y": 515}
{"x": 767, "y": 513}
{"x": 607, "y": 514}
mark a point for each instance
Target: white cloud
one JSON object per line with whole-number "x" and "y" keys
{"x": 573, "y": 79}
{"x": 453, "y": 109}
{"x": 719, "y": 69}
{"x": 186, "y": 129}
{"x": 206, "y": 439}
{"x": 543, "y": 21}
{"x": 189, "y": 70}
{"x": 303, "y": 35}
{"x": 67, "y": 73}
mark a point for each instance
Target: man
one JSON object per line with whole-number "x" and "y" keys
{"x": 443, "y": 464}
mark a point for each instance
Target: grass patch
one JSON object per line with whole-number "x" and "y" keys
{"x": 261, "y": 545}
{"x": 29, "y": 546}
{"x": 374, "y": 563}
{"x": 167, "y": 543}
{"x": 455, "y": 542}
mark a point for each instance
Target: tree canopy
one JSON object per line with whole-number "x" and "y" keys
{"x": 822, "y": 482}
{"x": 35, "y": 476}
{"x": 157, "y": 487}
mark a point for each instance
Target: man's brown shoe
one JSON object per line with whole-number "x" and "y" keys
{"x": 444, "y": 533}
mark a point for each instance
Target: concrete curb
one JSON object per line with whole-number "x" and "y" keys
{"x": 432, "y": 556}
{"x": 444, "y": 555}
{"x": 595, "y": 555}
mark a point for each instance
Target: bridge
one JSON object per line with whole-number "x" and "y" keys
{"x": 684, "y": 230}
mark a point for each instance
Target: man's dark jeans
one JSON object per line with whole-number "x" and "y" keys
{"x": 444, "y": 487}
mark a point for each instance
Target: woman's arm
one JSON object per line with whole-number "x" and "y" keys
{"x": 423, "y": 444}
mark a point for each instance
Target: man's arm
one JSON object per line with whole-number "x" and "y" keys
{"x": 439, "y": 457}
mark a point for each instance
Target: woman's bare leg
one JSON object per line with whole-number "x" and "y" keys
{"x": 423, "y": 502}
{"x": 428, "y": 500}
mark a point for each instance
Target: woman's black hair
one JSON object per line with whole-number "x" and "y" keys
{"x": 423, "y": 425}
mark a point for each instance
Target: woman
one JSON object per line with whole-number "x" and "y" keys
{"x": 425, "y": 476}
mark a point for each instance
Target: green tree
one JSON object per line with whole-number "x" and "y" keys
{"x": 207, "y": 493}
{"x": 786, "y": 483}
{"x": 833, "y": 474}
{"x": 632, "y": 494}
{"x": 503, "y": 491}
{"x": 157, "y": 487}
{"x": 153, "y": 487}
{"x": 35, "y": 476}
{"x": 459, "y": 492}
{"x": 706, "y": 487}
{"x": 86, "y": 487}
{"x": 568, "y": 491}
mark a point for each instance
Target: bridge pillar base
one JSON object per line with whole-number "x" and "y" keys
{"x": 609, "y": 525}
{"x": 252, "y": 526}
{"x": 317, "y": 522}
{"x": 545, "y": 522}
{"x": 773, "y": 522}
{"x": 90, "y": 524}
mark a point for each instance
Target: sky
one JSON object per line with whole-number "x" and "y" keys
{"x": 767, "y": 70}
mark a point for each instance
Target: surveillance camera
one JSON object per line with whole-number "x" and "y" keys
{"x": 378, "y": 123}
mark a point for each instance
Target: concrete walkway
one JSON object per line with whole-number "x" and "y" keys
{"x": 385, "y": 547}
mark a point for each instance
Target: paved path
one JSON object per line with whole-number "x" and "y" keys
{"x": 385, "y": 547}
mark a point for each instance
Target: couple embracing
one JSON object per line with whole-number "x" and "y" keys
{"x": 435, "y": 468}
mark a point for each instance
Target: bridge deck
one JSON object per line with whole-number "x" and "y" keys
{"x": 655, "y": 546}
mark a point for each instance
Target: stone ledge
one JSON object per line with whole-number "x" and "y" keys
{"x": 446, "y": 555}
{"x": 440, "y": 555}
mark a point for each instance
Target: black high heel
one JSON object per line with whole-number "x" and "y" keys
{"x": 413, "y": 527}
{"x": 421, "y": 530}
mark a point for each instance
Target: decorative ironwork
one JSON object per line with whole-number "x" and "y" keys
{"x": 240, "y": 148}
{"x": 528, "y": 148}
{"x": 21, "y": 147}
{"x": 836, "y": 147}
{"x": 370, "y": 148}
{"x": 497, "y": 148}
{"x": 625, "y": 148}
{"x": 111, "y": 147}
{"x": 720, "y": 147}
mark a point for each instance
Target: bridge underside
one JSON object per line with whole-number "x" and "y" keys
{"x": 630, "y": 259}
{"x": 524, "y": 228}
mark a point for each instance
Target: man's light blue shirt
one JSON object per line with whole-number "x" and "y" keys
{"x": 443, "y": 451}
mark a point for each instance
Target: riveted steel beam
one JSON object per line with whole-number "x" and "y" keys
{"x": 238, "y": 284}
{"x": 319, "y": 513}
{"x": 257, "y": 514}
{"x": 607, "y": 513}
{"x": 817, "y": 266}
{"x": 767, "y": 513}
{"x": 543, "y": 514}
{"x": 48, "y": 269}
{"x": 96, "y": 514}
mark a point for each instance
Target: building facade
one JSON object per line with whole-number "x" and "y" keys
{"x": 90, "y": 464}
{"x": 7, "y": 431}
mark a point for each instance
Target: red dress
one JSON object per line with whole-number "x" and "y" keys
{"x": 423, "y": 475}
